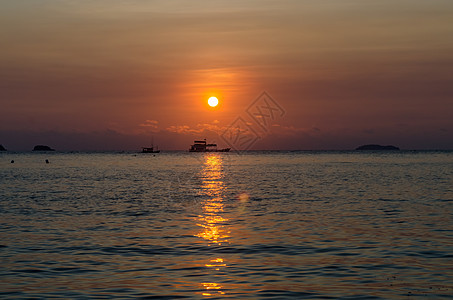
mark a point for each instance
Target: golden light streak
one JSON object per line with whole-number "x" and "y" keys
{"x": 211, "y": 220}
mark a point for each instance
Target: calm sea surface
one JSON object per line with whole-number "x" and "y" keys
{"x": 258, "y": 225}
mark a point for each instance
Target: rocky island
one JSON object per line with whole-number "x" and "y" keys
{"x": 377, "y": 147}
{"x": 2, "y": 148}
{"x": 42, "y": 148}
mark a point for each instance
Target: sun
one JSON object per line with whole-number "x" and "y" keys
{"x": 213, "y": 101}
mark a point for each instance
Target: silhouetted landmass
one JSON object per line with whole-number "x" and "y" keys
{"x": 42, "y": 148}
{"x": 2, "y": 148}
{"x": 377, "y": 147}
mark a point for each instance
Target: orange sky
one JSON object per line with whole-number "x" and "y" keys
{"x": 108, "y": 75}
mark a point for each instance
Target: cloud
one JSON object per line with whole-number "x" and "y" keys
{"x": 182, "y": 129}
{"x": 199, "y": 128}
{"x": 150, "y": 124}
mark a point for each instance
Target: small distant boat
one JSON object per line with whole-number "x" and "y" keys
{"x": 202, "y": 146}
{"x": 150, "y": 149}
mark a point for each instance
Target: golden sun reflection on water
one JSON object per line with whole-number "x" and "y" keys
{"x": 211, "y": 220}
{"x": 214, "y": 231}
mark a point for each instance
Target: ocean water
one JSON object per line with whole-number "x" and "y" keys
{"x": 261, "y": 225}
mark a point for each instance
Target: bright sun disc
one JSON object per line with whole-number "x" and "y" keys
{"x": 213, "y": 101}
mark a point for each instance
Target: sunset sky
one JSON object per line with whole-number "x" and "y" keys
{"x": 110, "y": 75}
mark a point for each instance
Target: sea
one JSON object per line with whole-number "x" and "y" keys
{"x": 241, "y": 225}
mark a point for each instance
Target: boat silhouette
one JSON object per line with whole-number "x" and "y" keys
{"x": 203, "y": 146}
{"x": 150, "y": 149}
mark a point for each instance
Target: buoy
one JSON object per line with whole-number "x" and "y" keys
{"x": 47, "y": 161}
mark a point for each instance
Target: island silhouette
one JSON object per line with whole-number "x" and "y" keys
{"x": 375, "y": 147}
{"x": 2, "y": 148}
{"x": 42, "y": 148}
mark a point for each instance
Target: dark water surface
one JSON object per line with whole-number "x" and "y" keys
{"x": 258, "y": 225}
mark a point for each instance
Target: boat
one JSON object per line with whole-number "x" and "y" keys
{"x": 203, "y": 146}
{"x": 150, "y": 149}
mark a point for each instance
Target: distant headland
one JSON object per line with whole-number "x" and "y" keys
{"x": 377, "y": 147}
{"x": 2, "y": 148}
{"x": 42, "y": 148}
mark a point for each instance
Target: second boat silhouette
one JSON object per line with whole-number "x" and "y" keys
{"x": 202, "y": 146}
